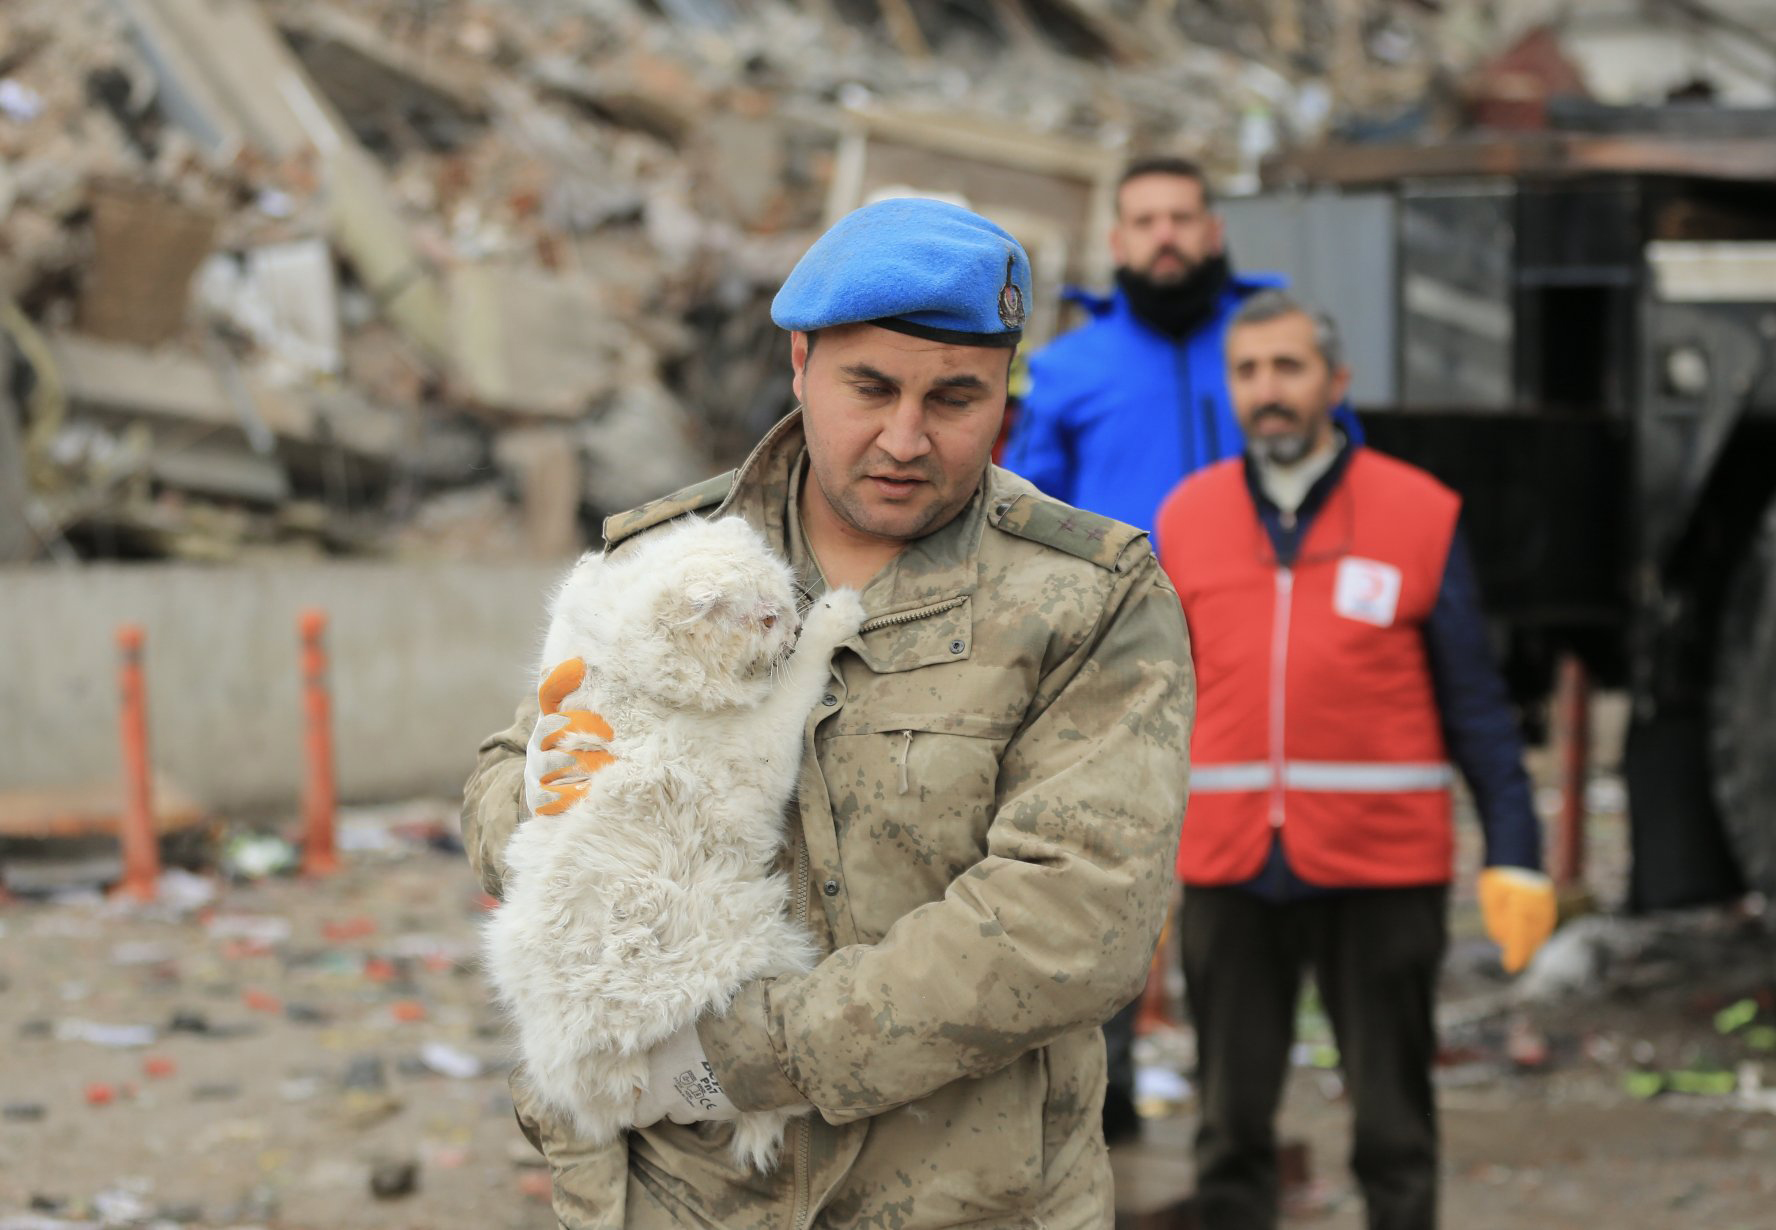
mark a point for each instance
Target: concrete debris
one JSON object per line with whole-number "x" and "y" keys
{"x": 1592, "y": 957}
{"x": 284, "y": 298}
{"x": 315, "y": 274}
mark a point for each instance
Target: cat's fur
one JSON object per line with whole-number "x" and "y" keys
{"x": 652, "y": 899}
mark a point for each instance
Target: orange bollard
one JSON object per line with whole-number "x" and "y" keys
{"x": 141, "y": 850}
{"x": 318, "y": 855}
{"x": 1574, "y": 693}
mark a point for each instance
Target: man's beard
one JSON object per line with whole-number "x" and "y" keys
{"x": 1177, "y": 307}
{"x": 1281, "y": 450}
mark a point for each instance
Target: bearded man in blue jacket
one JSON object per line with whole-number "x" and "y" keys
{"x": 1123, "y": 407}
{"x": 1127, "y": 404}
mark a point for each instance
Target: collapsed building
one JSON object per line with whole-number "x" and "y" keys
{"x": 415, "y": 278}
{"x": 422, "y": 277}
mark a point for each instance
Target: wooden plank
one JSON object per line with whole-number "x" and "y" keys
{"x": 1348, "y": 166}
{"x": 91, "y": 809}
{"x": 993, "y": 142}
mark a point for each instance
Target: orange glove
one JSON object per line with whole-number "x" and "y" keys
{"x": 555, "y": 776}
{"x": 1519, "y": 910}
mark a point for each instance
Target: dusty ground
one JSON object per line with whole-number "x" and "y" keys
{"x": 255, "y": 1124}
{"x": 291, "y": 1024}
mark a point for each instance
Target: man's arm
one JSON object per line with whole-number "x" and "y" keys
{"x": 1050, "y": 932}
{"x": 493, "y": 798}
{"x": 1478, "y": 725}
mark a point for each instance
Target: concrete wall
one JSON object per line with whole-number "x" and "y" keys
{"x": 425, "y": 660}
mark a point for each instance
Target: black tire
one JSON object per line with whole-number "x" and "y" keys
{"x": 1742, "y": 726}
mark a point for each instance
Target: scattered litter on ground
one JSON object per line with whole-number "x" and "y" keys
{"x": 115, "y": 1036}
{"x": 447, "y": 1060}
{"x": 390, "y": 1180}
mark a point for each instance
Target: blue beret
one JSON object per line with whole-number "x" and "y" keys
{"x": 916, "y": 266}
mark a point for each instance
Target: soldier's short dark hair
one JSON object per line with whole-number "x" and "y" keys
{"x": 1168, "y": 164}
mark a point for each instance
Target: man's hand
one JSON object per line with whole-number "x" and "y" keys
{"x": 681, "y": 1085}
{"x": 555, "y": 777}
{"x": 1519, "y": 909}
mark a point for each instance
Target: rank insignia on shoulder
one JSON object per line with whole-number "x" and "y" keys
{"x": 1053, "y": 524}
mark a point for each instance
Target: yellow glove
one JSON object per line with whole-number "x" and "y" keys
{"x": 1519, "y": 909}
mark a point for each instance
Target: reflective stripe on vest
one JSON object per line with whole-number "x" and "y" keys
{"x": 1321, "y": 776}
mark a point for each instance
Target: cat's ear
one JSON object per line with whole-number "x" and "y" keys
{"x": 688, "y": 603}
{"x": 588, "y": 566}
{"x": 703, "y": 598}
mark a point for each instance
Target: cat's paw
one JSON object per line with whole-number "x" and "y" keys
{"x": 834, "y": 618}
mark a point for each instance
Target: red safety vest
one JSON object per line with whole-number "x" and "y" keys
{"x": 1315, "y": 713}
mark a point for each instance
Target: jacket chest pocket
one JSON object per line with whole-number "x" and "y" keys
{"x": 912, "y": 797}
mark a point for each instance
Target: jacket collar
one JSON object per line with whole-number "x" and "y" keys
{"x": 1317, "y": 494}
{"x": 1115, "y": 304}
{"x": 1286, "y": 540}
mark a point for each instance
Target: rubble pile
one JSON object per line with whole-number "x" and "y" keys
{"x": 423, "y": 277}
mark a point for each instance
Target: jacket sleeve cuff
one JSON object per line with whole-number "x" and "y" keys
{"x": 741, "y": 1046}
{"x": 491, "y": 812}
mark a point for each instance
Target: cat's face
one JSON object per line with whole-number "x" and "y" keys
{"x": 726, "y": 601}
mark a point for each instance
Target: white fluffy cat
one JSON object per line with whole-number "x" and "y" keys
{"x": 652, "y": 899}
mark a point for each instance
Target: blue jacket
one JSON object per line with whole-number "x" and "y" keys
{"x": 1117, "y": 412}
{"x": 1479, "y": 728}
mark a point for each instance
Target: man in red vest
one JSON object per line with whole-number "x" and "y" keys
{"x": 1342, "y": 667}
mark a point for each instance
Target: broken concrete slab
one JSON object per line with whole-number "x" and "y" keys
{"x": 533, "y": 343}
{"x": 367, "y": 225}
{"x": 214, "y": 469}
{"x": 546, "y": 464}
{"x": 645, "y": 92}
{"x": 170, "y": 385}
{"x": 226, "y": 77}
{"x": 284, "y": 297}
{"x": 639, "y": 445}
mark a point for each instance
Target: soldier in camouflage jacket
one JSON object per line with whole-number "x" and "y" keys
{"x": 981, "y": 843}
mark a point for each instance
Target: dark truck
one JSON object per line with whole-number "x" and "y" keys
{"x": 1577, "y": 331}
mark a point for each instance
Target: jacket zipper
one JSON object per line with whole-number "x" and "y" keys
{"x": 804, "y": 1134}
{"x": 1279, "y": 666}
{"x": 907, "y": 617}
{"x": 906, "y": 754}
{"x": 1181, "y": 373}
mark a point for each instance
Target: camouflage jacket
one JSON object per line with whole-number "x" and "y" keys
{"x": 989, "y": 805}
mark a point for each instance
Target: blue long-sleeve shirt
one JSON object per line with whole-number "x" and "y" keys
{"x": 1479, "y": 729}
